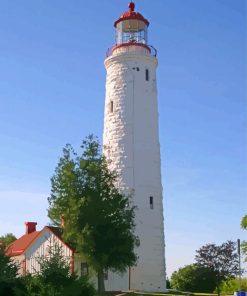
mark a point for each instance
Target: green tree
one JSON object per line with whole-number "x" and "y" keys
{"x": 7, "y": 239}
{"x": 9, "y": 283}
{"x": 193, "y": 278}
{"x": 244, "y": 243}
{"x": 8, "y": 269}
{"x": 232, "y": 285}
{"x": 221, "y": 260}
{"x": 168, "y": 283}
{"x": 244, "y": 222}
{"x": 99, "y": 220}
{"x": 55, "y": 278}
{"x": 54, "y": 269}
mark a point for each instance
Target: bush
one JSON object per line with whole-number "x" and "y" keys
{"x": 9, "y": 283}
{"x": 231, "y": 286}
{"x": 36, "y": 286}
{"x": 13, "y": 288}
{"x": 8, "y": 269}
{"x": 55, "y": 278}
{"x": 168, "y": 284}
{"x": 193, "y": 278}
{"x": 81, "y": 287}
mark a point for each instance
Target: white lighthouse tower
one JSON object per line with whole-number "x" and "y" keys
{"x": 131, "y": 141}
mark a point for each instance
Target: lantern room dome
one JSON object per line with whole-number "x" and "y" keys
{"x": 131, "y": 14}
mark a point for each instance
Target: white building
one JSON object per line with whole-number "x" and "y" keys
{"x": 35, "y": 244}
{"x": 131, "y": 142}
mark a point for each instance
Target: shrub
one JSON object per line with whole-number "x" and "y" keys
{"x": 193, "y": 278}
{"x": 231, "y": 286}
{"x": 55, "y": 278}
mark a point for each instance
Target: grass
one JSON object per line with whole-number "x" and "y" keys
{"x": 170, "y": 293}
{"x": 110, "y": 293}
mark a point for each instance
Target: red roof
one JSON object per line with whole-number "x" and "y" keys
{"x": 21, "y": 244}
{"x": 131, "y": 14}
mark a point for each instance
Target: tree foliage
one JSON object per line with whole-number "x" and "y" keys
{"x": 8, "y": 269}
{"x": 193, "y": 278}
{"x": 244, "y": 243}
{"x": 7, "y": 239}
{"x": 168, "y": 283}
{"x": 222, "y": 260}
{"x": 244, "y": 250}
{"x": 9, "y": 283}
{"x": 55, "y": 278}
{"x": 99, "y": 220}
{"x": 232, "y": 285}
{"x": 244, "y": 222}
{"x": 54, "y": 269}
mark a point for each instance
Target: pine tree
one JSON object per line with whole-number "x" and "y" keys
{"x": 99, "y": 220}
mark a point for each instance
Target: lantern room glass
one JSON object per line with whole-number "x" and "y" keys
{"x": 131, "y": 31}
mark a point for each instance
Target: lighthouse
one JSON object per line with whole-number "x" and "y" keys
{"x": 131, "y": 142}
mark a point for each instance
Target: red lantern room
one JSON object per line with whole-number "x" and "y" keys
{"x": 131, "y": 29}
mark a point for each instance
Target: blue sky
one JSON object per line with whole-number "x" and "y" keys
{"x": 52, "y": 84}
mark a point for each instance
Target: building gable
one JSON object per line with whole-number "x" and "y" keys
{"x": 42, "y": 247}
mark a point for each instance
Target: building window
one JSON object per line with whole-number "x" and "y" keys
{"x": 111, "y": 106}
{"x": 84, "y": 268}
{"x": 151, "y": 202}
{"x": 105, "y": 274}
{"x": 147, "y": 75}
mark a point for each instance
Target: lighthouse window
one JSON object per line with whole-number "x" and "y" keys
{"x": 147, "y": 75}
{"x": 151, "y": 202}
{"x": 111, "y": 107}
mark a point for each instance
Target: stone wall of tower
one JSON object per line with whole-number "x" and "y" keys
{"x": 131, "y": 143}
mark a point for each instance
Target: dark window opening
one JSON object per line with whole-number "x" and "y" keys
{"x": 84, "y": 268}
{"x": 137, "y": 69}
{"x": 147, "y": 75}
{"x": 111, "y": 106}
{"x": 151, "y": 202}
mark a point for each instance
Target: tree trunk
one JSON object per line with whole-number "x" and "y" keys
{"x": 101, "y": 282}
